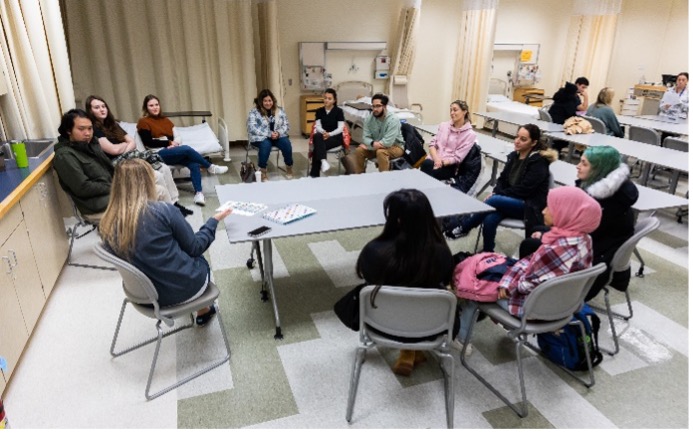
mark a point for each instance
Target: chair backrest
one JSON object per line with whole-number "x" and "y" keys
{"x": 597, "y": 124}
{"x": 676, "y": 144}
{"x": 621, "y": 259}
{"x": 643, "y": 135}
{"x": 479, "y": 177}
{"x": 559, "y": 298}
{"x": 137, "y": 286}
{"x": 408, "y": 312}
{"x": 544, "y": 114}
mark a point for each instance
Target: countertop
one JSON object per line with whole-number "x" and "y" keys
{"x": 15, "y": 182}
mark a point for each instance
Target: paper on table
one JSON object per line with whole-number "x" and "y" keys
{"x": 242, "y": 208}
{"x": 290, "y": 213}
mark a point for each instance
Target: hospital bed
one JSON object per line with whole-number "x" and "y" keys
{"x": 355, "y": 100}
{"x": 497, "y": 100}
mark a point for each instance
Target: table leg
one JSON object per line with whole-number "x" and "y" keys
{"x": 673, "y": 182}
{"x": 492, "y": 180}
{"x": 263, "y": 288}
{"x": 645, "y": 173}
{"x": 269, "y": 278}
{"x": 494, "y": 131}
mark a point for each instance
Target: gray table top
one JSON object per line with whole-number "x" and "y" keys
{"x": 341, "y": 202}
{"x": 520, "y": 119}
{"x": 658, "y": 123}
{"x": 645, "y": 152}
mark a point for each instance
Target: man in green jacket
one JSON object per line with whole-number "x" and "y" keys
{"x": 84, "y": 170}
{"x": 382, "y": 139}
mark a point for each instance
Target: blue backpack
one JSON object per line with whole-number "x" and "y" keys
{"x": 565, "y": 346}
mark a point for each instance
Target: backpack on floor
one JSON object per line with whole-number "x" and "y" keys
{"x": 565, "y": 346}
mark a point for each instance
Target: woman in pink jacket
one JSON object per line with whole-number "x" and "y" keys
{"x": 451, "y": 144}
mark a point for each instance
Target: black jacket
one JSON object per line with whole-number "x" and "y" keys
{"x": 533, "y": 186}
{"x": 468, "y": 170}
{"x": 565, "y": 103}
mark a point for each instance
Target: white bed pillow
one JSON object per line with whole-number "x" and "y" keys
{"x": 200, "y": 137}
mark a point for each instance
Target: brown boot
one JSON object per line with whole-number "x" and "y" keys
{"x": 405, "y": 363}
{"x": 263, "y": 174}
{"x": 289, "y": 172}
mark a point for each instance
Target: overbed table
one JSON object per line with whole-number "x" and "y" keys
{"x": 518, "y": 119}
{"x": 647, "y": 153}
{"x": 341, "y": 202}
{"x": 658, "y": 123}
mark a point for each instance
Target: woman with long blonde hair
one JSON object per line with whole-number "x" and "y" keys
{"x": 602, "y": 110}
{"x": 154, "y": 237}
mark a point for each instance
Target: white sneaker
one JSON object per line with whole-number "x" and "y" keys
{"x": 324, "y": 165}
{"x": 199, "y": 198}
{"x": 217, "y": 169}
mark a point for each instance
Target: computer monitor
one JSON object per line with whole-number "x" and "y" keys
{"x": 668, "y": 80}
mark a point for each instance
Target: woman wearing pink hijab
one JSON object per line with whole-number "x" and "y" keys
{"x": 566, "y": 247}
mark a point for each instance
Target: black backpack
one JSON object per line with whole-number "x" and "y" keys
{"x": 414, "y": 152}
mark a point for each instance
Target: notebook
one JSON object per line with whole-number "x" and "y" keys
{"x": 289, "y": 213}
{"x": 242, "y": 207}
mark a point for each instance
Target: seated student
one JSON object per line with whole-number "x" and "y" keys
{"x": 155, "y": 238}
{"x": 268, "y": 126}
{"x": 410, "y": 252}
{"x": 156, "y": 132}
{"x": 602, "y": 110}
{"x": 520, "y": 191}
{"x": 382, "y": 139}
{"x": 84, "y": 171}
{"x": 115, "y": 143}
{"x": 602, "y": 175}
{"x": 572, "y": 214}
{"x": 329, "y": 126}
{"x": 582, "y": 84}
{"x": 451, "y": 144}
{"x": 565, "y": 103}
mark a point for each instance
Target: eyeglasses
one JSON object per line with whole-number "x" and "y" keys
{"x": 378, "y": 106}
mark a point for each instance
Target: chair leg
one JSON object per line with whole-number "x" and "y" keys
{"x": 448, "y": 365}
{"x": 355, "y": 376}
{"x": 72, "y": 232}
{"x": 520, "y": 411}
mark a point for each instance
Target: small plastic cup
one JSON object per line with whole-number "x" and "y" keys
{"x": 258, "y": 176}
{"x": 19, "y": 151}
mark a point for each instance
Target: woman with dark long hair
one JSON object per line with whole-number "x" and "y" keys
{"x": 329, "y": 126}
{"x": 411, "y": 252}
{"x": 268, "y": 126}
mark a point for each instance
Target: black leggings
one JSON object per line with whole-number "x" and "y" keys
{"x": 320, "y": 148}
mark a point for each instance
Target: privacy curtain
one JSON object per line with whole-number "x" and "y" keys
{"x": 590, "y": 41}
{"x": 193, "y": 55}
{"x": 403, "y": 58}
{"x": 268, "y": 54}
{"x": 37, "y": 71}
{"x": 475, "y": 52}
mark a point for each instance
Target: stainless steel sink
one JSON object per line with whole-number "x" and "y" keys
{"x": 36, "y": 150}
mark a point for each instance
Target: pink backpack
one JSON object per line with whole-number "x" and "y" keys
{"x": 477, "y": 277}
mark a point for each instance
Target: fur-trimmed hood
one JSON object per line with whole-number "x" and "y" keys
{"x": 608, "y": 186}
{"x": 550, "y": 155}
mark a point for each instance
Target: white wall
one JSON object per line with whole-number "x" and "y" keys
{"x": 652, "y": 37}
{"x": 650, "y": 33}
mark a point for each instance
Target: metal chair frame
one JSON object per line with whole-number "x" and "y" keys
{"x": 73, "y": 234}
{"x": 141, "y": 293}
{"x": 407, "y": 313}
{"x": 548, "y": 308}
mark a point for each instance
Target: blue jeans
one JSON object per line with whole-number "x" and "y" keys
{"x": 467, "y": 315}
{"x": 187, "y": 156}
{"x": 506, "y": 207}
{"x": 264, "y": 148}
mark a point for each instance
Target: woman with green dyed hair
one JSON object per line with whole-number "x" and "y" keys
{"x": 605, "y": 178}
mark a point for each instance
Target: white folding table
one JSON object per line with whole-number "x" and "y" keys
{"x": 341, "y": 202}
{"x": 518, "y": 119}
{"x": 658, "y": 123}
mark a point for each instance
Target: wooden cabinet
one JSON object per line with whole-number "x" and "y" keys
{"x": 529, "y": 95}
{"x": 14, "y": 333}
{"x": 46, "y": 228}
{"x": 309, "y": 105}
{"x": 32, "y": 233}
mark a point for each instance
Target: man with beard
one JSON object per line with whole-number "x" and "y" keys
{"x": 382, "y": 139}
